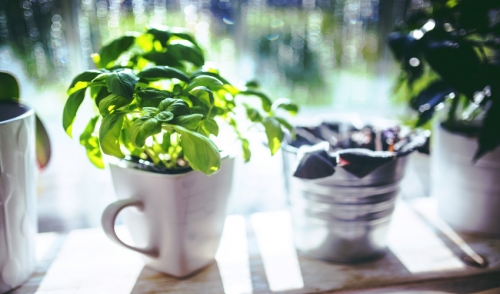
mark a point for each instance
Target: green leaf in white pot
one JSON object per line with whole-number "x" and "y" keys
{"x": 176, "y": 106}
{"x": 210, "y": 126}
{"x": 285, "y": 124}
{"x": 162, "y": 58}
{"x": 142, "y": 128}
{"x": 285, "y": 104}
{"x": 156, "y": 73}
{"x": 184, "y": 50}
{"x": 189, "y": 121}
{"x": 111, "y": 51}
{"x": 86, "y": 76}
{"x": 274, "y": 133}
{"x": 151, "y": 97}
{"x": 266, "y": 102}
{"x": 205, "y": 81}
{"x": 201, "y": 153}
{"x": 164, "y": 116}
{"x": 91, "y": 143}
{"x": 204, "y": 95}
{"x": 109, "y": 134}
{"x": 111, "y": 103}
{"x": 121, "y": 83}
{"x": 183, "y": 34}
{"x": 70, "y": 108}
{"x": 253, "y": 114}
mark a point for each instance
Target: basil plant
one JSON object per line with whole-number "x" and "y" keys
{"x": 159, "y": 103}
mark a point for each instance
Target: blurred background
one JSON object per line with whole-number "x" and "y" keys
{"x": 329, "y": 56}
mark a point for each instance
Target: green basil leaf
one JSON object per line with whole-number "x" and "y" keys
{"x": 201, "y": 153}
{"x": 211, "y": 126}
{"x": 285, "y": 104}
{"x": 109, "y": 134}
{"x": 151, "y": 110}
{"x": 208, "y": 73}
{"x": 274, "y": 133}
{"x": 253, "y": 114}
{"x": 165, "y": 143}
{"x": 122, "y": 83}
{"x": 252, "y": 84}
{"x": 285, "y": 123}
{"x": 218, "y": 111}
{"x": 164, "y": 116}
{"x": 204, "y": 95}
{"x": 151, "y": 97}
{"x": 162, "y": 58}
{"x": 159, "y": 34}
{"x": 199, "y": 109}
{"x": 70, "y": 108}
{"x": 86, "y": 76}
{"x": 184, "y": 50}
{"x": 89, "y": 130}
{"x": 176, "y": 106}
{"x": 142, "y": 128}
{"x": 9, "y": 87}
{"x": 91, "y": 143}
{"x": 99, "y": 93}
{"x": 181, "y": 33}
{"x": 126, "y": 140}
{"x": 205, "y": 81}
{"x": 111, "y": 51}
{"x": 190, "y": 121}
{"x": 111, "y": 103}
{"x": 266, "y": 102}
{"x": 156, "y": 73}
{"x": 246, "y": 149}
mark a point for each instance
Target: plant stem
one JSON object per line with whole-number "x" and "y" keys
{"x": 452, "y": 113}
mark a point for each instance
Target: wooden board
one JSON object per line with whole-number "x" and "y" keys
{"x": 257, "y": 256}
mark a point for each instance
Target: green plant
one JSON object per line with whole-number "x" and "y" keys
{"x": 10, "y": 94}
{"x": 449, "y": 53}
{"x": 158, "y": 102}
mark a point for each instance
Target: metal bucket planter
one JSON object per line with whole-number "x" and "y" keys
{"x": 342, "y": 213}
{"x": 343, "y": 218}
{"x": 468, "y": 194}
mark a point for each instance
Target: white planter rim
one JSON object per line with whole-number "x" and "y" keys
{"x": 132, "y": 166}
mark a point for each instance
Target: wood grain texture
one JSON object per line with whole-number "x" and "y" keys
{"x": 85, "y": 261}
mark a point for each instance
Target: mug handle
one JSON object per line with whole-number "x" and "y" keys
{"x": 108, "y": 224}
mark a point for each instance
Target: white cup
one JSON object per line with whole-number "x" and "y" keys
{"x": 179, "y": 218}
{"x": 18, "y": 222}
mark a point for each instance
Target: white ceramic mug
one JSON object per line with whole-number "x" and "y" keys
{"x": 179, "y": 218}
{"x": 18, "y": 223}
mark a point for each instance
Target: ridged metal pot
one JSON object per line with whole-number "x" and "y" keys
{"x": 342, "y": 218}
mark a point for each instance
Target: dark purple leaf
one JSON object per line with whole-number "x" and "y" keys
{"x": 315, "y": 165}
{"x": 361, "y": 162}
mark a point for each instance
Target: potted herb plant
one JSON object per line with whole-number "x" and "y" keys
{"x": 449, "y": 55}
{"x": 160, "y": 107}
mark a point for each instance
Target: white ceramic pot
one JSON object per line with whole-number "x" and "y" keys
{"x": 179, "y": 218}
{"x": 18, "y": 223}
{"x": 468, "y": 194}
